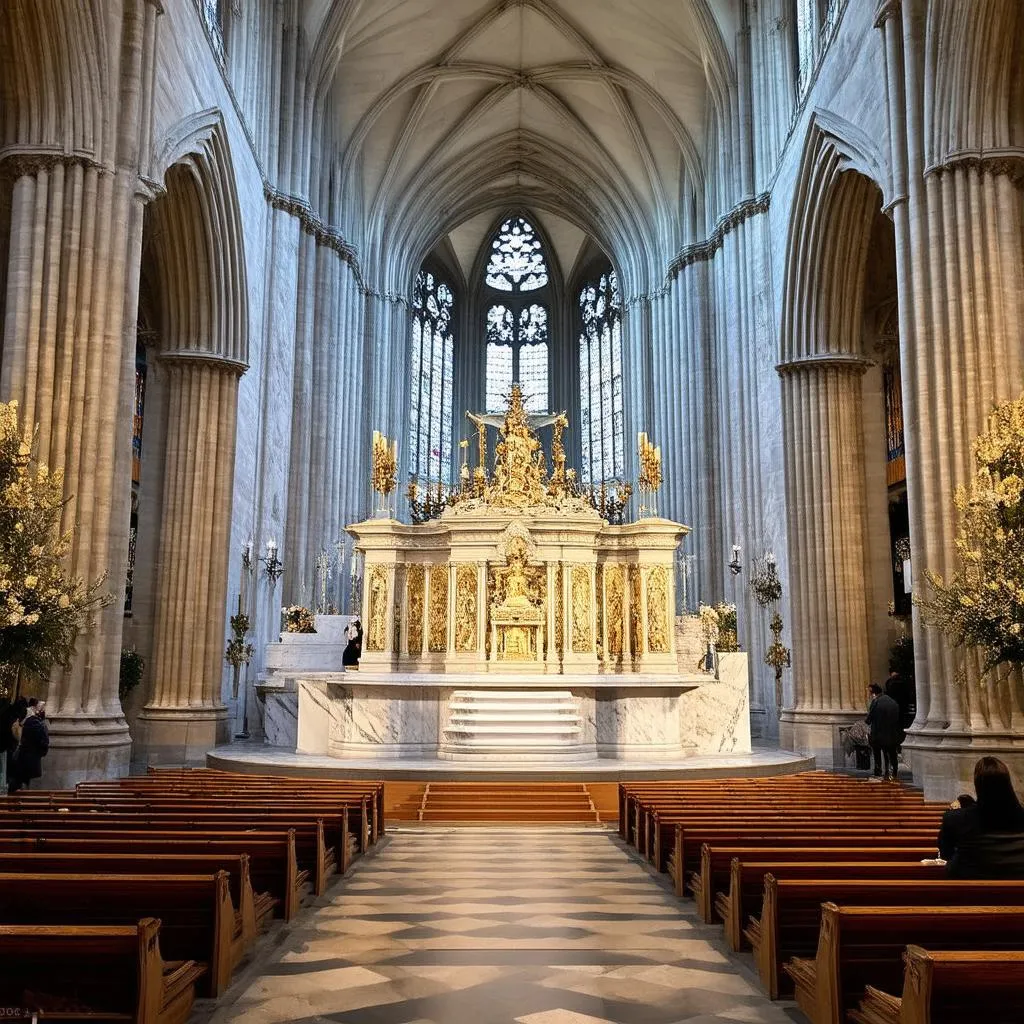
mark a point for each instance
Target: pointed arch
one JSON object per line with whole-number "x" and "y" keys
{"x": 197, "y": 251}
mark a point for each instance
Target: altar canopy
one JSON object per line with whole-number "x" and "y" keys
{"x": 519, "y": 573}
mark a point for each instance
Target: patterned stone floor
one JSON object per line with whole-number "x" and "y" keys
{"x": 481, "y": 926}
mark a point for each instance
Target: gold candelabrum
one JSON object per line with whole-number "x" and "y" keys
{"x": 650, "y": 473}
{"x": 384, "y": 468}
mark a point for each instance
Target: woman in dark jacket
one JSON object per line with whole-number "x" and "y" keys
{"x": 985, "y": 839}
{"x": 35, "y": 742}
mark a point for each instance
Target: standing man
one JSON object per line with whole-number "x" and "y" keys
{"x": 33, "y": 747}
{"x": 883, "y": 721}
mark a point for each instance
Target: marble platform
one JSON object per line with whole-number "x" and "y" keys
{"x": 636, "y": 718}
{"x": 260, "y": 759}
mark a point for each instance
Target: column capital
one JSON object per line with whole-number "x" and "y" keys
{"x": 887, "y": 9}
{"x": 1003, "y": 162}
{"x": 18, "y": 161}
{"x": 848, "y": 361}
{"x": 200, "y": 358}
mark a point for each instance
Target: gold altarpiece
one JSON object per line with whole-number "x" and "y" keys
{"x": 519, "y": 574}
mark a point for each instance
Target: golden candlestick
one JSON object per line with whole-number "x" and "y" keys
{"x": 650, "y": 471}
{"x": 383, "y": 467}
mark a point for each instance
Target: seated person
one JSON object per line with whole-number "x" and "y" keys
{"x": 985, "y": 839}
{"x": 354, "y": 648}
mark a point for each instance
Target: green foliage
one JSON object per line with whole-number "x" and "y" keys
{"x": 982, "y": 603}
{"x": 132, "y": 665}
{"x": 42, "y": 609}
{"x": 238, "y": 652}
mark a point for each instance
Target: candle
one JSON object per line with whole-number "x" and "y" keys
{"x": 735, "y": 552}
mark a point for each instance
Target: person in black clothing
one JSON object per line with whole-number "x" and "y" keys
{"x": 354, "y": 648}
{"x": 985, "y": 839}
{"x": 11, "y": 718}
{"x": 883, "y": 721}
{"x": 35, "y": 742}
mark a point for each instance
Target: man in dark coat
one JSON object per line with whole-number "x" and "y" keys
{"x": 883, "y": 721}
{"x": 35, "y": 742}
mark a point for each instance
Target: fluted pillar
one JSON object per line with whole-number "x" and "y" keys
{"x": 823, "y": 430}
{"x": 187, "y": 715}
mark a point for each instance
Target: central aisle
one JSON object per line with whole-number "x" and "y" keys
{"x": 481, "y": 926}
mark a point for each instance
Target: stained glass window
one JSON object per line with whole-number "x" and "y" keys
{"x": 516, "y": 325}
{"x": 517, "y": 260}
{"x": 431, "y": 371}
{"x": 601, "y": 403}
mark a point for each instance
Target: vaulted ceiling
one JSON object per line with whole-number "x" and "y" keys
{"x": 592, "y": 110}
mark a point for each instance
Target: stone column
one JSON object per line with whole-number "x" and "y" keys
{"x": 187, "y": 714}
{"x": 822, "y": 423}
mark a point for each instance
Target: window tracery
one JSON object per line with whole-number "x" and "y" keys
{"x": 516, "y": 326}
{"x": 431, "y": 370}
{"x": 601, "y": 398}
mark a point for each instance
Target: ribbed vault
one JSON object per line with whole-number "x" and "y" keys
{"x": 597, "y": 110}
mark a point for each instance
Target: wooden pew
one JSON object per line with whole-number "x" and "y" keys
{"x": 198, "y": 921}
{"x": 310, "y": 843}
{"x": 711, "y": 886}
{"x": 95, "y": 973}
{"x": 689, "y": 842}
{"x": 947, "y": 987}
{"x": 254, "y": 909}
{"x": 273, "y": 864}
{"x": 791, "y": 912}
{"x": 864, "y": 945}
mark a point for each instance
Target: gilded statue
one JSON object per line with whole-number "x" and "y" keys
{"x": 465, "y": 608}
{"x": 518, "y": 582}
{"x": 376, "y": 636}
{"x": 519, "y": 470}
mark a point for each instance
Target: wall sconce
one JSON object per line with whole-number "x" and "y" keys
{"x": 247, "y": 560}
{"x": 736, "y": 566}
{"x": 273, "y": 566}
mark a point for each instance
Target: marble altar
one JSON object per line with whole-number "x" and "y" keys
{"x": 518, "y": 624}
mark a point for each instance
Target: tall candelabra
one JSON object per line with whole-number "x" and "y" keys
{"x": 650, "y": 473}
{"x": 383, "y": 470}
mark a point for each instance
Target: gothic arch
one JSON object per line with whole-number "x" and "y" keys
{"x": 837, "y": 196}
{"x": 196, "y": 249}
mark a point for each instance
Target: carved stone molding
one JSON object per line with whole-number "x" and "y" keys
{"x": 200, "y": 358}
{"x": 17, "y": 163}
{"x": 703, "y": 251}
{"x": 1007, "y": 163}
{"x": 847, "y": 361}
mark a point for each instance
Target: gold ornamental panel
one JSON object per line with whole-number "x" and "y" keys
{"x": 466, "y": 609}
{"x": 615, "y": 608}
{"x": 377, "y": 631}
{"x": 599, "y": 590}
{"x": 437, "y": 632}
{"x": 414, "y": 591}
{"x": 559, "y": 611}
{"x": 582, "y": 635}
{"x": 397, "y": 633}
{"x": 635, "y": 618}
{"x": 657, "y": 610}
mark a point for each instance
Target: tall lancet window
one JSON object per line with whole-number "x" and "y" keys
{"x": 430, "y": 429}
{"x": 601, "y": 419}
{"x": 517, "y": 290}
{"x": 806, "y": 34}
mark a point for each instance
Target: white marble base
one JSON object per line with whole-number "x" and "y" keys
{"x": 647, "y": 718}
{"x": 260, "y": 759}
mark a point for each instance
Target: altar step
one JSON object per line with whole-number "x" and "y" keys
{"x": 502, "y": 803}
{"x": 516, "y": 724}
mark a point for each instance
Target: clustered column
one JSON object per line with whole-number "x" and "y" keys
{"x": 187, "y": 714}
{"x": 823, "y": 429}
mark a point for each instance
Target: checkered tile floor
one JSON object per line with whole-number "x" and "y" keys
{"x": 481, "y": 926}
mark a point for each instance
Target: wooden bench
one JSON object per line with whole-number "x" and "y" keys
{"x": 95, "y": 973}
{"x": 273, "y": 864}
{"x": 947, "y": 987}
{"x": 864, "y": 945}
{"x": 310, "y": 842}
{"x": 791, "y": 912}
{"x": 689, "y": 842}
{"x": 198, "y": 921}
{"x": 254, "y": 909}
{"x": 745, "y": 888}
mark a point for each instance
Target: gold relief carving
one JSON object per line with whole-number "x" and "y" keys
{"x": 657, "y": 610}
{"x": 465, "y": 608}
{"x": 635, "y": 619}
{"x": 414, "y": 590}
{"x": 559, "y": 611}
{"x": 396, "y": 646}
{"x": 615, "y": 607}
{"x": 437, "y": 634}
{"x": 377, "y": 633}
{"x": 582, "y": 636}
{"x": 599, "y": 590}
